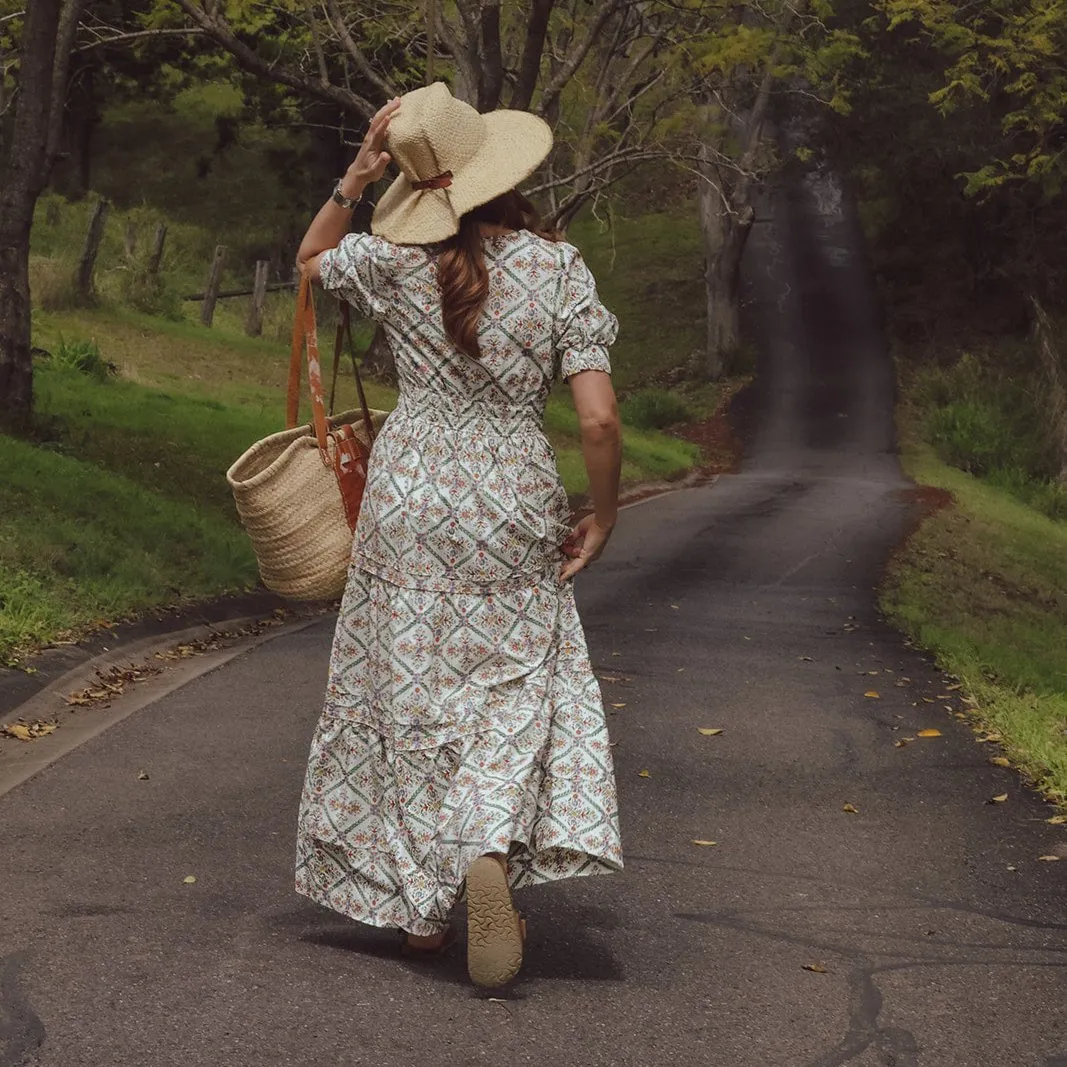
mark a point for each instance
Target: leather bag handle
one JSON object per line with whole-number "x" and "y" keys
{"x": 305, "y": 336}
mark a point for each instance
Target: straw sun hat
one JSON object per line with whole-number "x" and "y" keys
{"x": 452, "y": 159}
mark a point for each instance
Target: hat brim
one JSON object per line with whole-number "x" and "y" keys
{"x": 516, "y": 143}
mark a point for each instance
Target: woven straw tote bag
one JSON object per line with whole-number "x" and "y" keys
{"x": 298, "y": 491}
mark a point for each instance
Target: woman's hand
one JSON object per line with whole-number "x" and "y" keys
{"x": 372, "y": 159}
{"x": 586, "y": 542}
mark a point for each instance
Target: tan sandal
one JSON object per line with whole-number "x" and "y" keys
{"x": 495, "y": 930}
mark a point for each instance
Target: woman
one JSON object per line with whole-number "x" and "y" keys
{"x": 463, "y": 745}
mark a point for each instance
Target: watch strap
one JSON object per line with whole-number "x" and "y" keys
{"x": 339, "y": 198}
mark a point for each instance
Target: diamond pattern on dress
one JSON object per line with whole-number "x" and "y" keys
{"x": 461, "y": 715}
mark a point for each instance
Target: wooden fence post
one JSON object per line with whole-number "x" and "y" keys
{"x": 254, "y": 322}
{"x": 156, "y": 258}
{"x": 83, "y": 281}
{"x": 214, "y": 283}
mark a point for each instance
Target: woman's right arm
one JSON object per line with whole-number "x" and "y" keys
{"x": 598, "y": 420}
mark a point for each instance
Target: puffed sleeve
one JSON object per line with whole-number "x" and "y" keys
{"x": 359, "y": 270}
{"x": 585, "y": 328}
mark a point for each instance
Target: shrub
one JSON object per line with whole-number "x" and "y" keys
{"x": 84, "y": 357}
{"x": 653, "y": 409}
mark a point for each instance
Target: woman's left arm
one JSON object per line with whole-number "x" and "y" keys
{"x": 333, "y": 220}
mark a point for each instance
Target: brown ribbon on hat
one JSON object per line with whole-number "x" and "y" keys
{"x": 439, "y": 181}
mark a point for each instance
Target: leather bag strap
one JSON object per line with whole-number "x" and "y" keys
{"x": 344, "y": 330}
{"x": 305, "y": 335}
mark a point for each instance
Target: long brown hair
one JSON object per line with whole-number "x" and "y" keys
{"x": 461, "y": 270}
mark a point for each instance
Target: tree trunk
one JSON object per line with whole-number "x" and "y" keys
{"x": 22, "y": 177}
{"x": 726, "y": 229}
{"x": 16, "y": 364}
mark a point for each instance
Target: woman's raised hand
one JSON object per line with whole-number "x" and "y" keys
{"x": 372, "y": 159}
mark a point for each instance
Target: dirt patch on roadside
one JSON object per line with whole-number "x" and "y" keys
{"x": 923, "y": 502}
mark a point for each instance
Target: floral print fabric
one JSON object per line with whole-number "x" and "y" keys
{"x": 461, "y": 715}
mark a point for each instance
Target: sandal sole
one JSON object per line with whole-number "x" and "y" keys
{"x": 494, "y": 929}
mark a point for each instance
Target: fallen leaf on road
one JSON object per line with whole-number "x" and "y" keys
{"x": 903, "y": 742}
{"x": 674, "y": 607}
{"x": 850, "y": 809}
{"x": 142, "y": 776}
{"x": 1057, "y": 820}
{"x": 619, "y": 705}
{"x": 1049, "y": 859}
{"x": 998, "y": 799}
{"x": 806, "y": 659}
{"x": 929, "y": 733}
{"x": 1000, "y": 761}
{"x": 953, "y": 688}
{"x": 989, "y": 739}
{"x": 643, "y": 774}
{"x": 927, "y": 700}
{"x": 709, "y": 731}
{"x": 873, "y": 695}
{"x": 815, "y": 968}
{"x": 23, "y": 732}
{"x": 705, "y": 844}
{"x": 189, "y": 879}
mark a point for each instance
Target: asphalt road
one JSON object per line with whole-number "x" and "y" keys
{"x": 939, "y": 939}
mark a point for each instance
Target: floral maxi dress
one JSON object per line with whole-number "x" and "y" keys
{"x": 462, "y": 716}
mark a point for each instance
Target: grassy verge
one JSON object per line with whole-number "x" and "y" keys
{"x": 124, "y": 505}
{"x": 983, "y": 585}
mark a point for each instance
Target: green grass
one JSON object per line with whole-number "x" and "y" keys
{"x": 649, "y": 271}
{"x": 81, "y": 543}
{"x": 983, "y": 585}
{"x": 125, "y": 507}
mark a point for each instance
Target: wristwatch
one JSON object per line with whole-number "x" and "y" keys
{"x": 339, "y": 198}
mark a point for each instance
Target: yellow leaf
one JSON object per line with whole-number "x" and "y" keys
{"x": 18, "y": 731}
{"x": 929, "y": 733}
{"x": 815, "y": 968}
{"x": 189, "y": 879}
{"x": 643, "y": 774}
{"x": 618, "y": 705}
{"x": 873, "y": 695}
{"x": 1057, "y": 820}
{"x": 850, "y": 809}
{"x": 706, "y": 844}
{"x": 999, "y": 798}
{"x": 989, "y": 739}
{"x": 1000, "y": 761}
{"x": 1049, "y": 859}
{"x": 709, "y": 731}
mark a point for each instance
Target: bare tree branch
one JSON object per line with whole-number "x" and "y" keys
{"x": 216, "y": 27}
{"x": 133, "y": 35}
{"x": 571, "y": 64}
{"x": 316, "y": 43}
{"x": 336, "y": 20}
